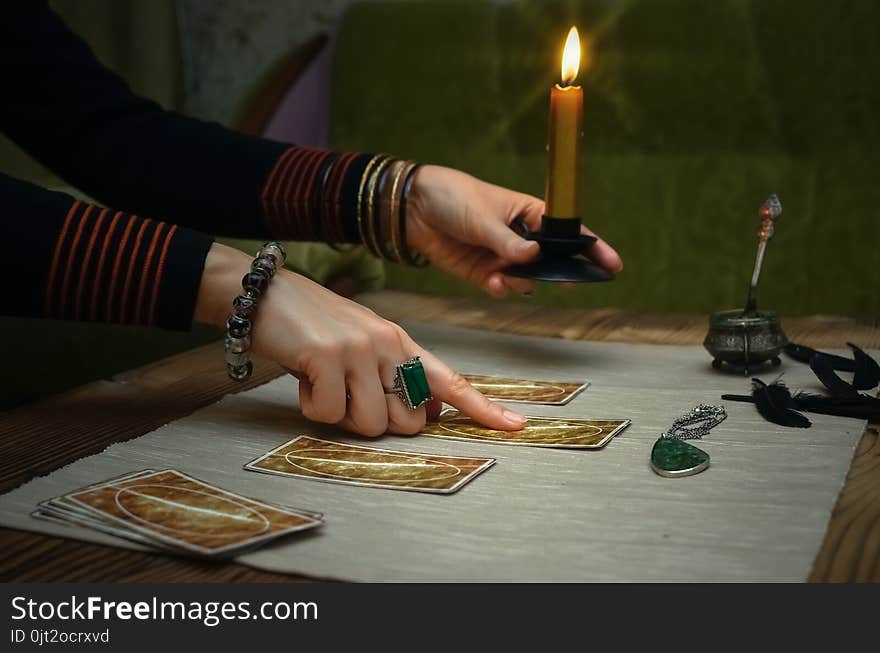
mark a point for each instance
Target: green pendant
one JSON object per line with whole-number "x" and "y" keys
{"x": 672, "y": 457}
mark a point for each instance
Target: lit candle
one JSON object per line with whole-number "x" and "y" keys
{"x": 564, "y": 136}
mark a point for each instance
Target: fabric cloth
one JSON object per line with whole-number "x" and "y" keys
{"x": 758, "y": 513}
{"x": 155, "y": 169}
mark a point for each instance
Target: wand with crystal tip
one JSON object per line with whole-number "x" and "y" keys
{"x": 769, "y": 213}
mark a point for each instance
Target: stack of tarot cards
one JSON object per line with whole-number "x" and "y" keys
{"x": 170, "y": 510}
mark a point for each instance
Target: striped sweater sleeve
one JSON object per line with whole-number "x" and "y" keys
{"x": 312, "y": 194}
{"x": 85, "y": 262}
{"x": 80, "y": 261}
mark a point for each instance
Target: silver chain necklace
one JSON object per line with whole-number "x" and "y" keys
{"x": 672, "y": 456}
{"x": 705, "y": 416}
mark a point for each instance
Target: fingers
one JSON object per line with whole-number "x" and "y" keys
{"x": 323, "y": 400}
{"x": 498, "y": 237}
{"x": 454, "y": 389}
{"x": 341, "y": 385}
{"x": 499, "y": 285}
{"x": 531, "y": 210}
{"x": 603, "y": 253}
{"x": 370, "y": 364}
{"x": 479, "y": 267}
{"x": 433, "y": 408}
{"x": 483, "y": 268}
{"x": 495, "y": 286}
{"x": 346, "y": 386}
{"x": 367, "y": 408}
{"x": 514, "y": 284}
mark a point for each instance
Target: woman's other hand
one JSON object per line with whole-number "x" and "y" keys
{"x": 462, "y": 226}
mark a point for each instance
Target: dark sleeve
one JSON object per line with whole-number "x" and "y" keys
{"x": 72, "y": 260}
{"x": 81, "y": 120}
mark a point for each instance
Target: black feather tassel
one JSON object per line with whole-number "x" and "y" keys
{"x": 867, "y": 371}
{"x": 803, "y": 354}
{"x": 860, "y": 407}
{"x": 823, "y": 366}
{"x": 777, "y": 405}
{"x": 774, "y": 402}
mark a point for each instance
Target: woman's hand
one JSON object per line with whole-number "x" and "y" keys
{"x": 343, "y": 353}
{"x": 462, "y": 225}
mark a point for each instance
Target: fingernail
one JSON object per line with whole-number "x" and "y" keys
{"x": 511, "y": 416}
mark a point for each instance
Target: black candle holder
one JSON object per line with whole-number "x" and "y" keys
{"x": 561, "y": 259}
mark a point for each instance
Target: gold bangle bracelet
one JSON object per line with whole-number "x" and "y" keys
{"x": 360, "y": 222}
{"x": 393, "y": 218}
{"x": 388, "y": 207}
{"x": 382, "y": 227}
{"x": 417, "y": 259}
{"x": 369, "y": 225}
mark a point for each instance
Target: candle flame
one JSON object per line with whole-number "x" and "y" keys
{"x": 571, "y": 57}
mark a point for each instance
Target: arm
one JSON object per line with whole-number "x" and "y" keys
{"x": 75, "y": 260}
{"x": 69, "y": 259}
{"x": 80, "y": 119}
{"x": 72, "y": 260}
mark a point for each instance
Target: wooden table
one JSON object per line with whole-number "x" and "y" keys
{"x": 38, "y": 438}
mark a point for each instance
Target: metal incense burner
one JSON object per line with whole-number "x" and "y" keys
{"x": 742, "y": 340}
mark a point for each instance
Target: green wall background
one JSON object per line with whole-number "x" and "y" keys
{"x": 695, "y": 112}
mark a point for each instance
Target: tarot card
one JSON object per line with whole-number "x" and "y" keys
{"x": 94, "y": 525}
{"x": 559, "y": 432}
{"x": 63, "y": 509}
{"x": 45, "y": 516}
{"x": 552, "y": 393}
{"x": 176, "y": 510}
{"x": 77, "y": 519}
{"x": 323, "y": 460}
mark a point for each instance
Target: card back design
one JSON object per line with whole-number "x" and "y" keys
{"x": 324, "y": 460}
{"x": 179, "y": 510}
{"x": 554, "y": 393}
{"x": 538, "y": 431}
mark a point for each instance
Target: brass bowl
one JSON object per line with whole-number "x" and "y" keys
{"x": 743, "y": 342}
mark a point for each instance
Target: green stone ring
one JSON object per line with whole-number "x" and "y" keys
{"x": 411, "y": 384}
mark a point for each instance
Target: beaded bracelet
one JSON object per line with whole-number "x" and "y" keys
{"x": 237, "y": 343}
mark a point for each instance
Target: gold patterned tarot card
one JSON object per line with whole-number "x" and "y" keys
{"x": 557, "y": 432}
{"x": 65, "y": 511}
{"x": 177, "y": 510}
{"x": 554, "y": 393}
{"x": 323, "y": 460}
